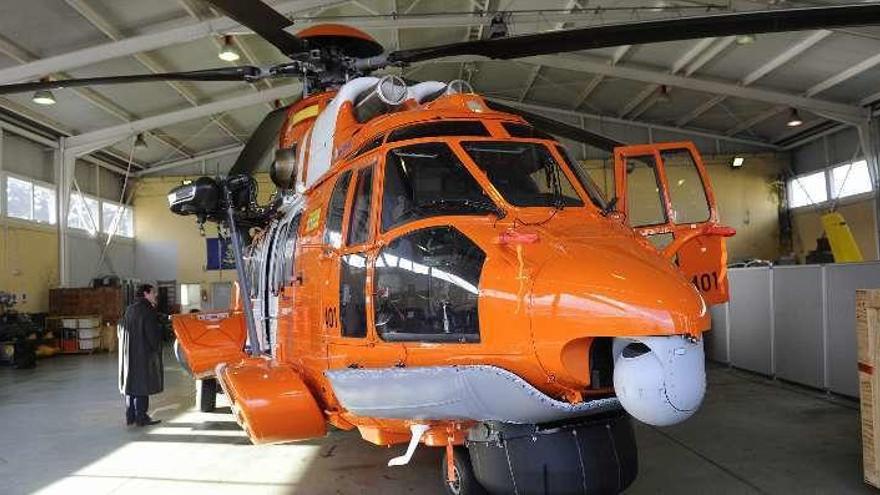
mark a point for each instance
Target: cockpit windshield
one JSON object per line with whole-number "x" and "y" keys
{"x": 427, "y": 179}
{"x": 524, "y": 173}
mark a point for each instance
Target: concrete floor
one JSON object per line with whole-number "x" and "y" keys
{"x": 61, "y": 432}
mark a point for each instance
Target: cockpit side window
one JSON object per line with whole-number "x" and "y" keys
{"x": 427, "y": 179}
{"x": 583, "y": 176}
{"x": 336, "y": 210}
{"x": 359, "y": 218}
{"x": 427, "y": 287}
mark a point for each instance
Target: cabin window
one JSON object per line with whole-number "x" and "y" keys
{"x": 335, "y": 211}
{"x": 524, "y": 131}
{"x": 352, "y": 297}
{"x": 427, "y": 179}
{"x": 359, "y": 219}
{"x": 686, "y": 190}
{"x": 427, "y": 287}
{"x": 643, "y": 192}
{"x": 437, "y": 129}
{"x": 524, "y": 173}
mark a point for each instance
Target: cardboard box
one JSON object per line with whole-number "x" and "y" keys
{"x": 868, "y": 340}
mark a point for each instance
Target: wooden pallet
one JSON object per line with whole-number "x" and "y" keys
{"x": 868, "y": 338}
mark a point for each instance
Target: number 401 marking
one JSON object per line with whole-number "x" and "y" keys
{"x": 706, "y": 281}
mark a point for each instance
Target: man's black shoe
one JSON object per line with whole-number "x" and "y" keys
{"x": 148, "y": 422}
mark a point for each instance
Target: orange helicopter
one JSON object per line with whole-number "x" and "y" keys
{"x": 436, "y": 269}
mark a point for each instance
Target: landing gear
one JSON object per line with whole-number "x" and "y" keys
{"x": 464, "y": 482}
{"x": 206, "y": 394}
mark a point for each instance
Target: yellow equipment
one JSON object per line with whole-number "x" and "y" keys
{"x": 843, "y": 244}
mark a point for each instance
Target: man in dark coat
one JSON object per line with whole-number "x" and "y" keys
{"x": 140, "y": 356}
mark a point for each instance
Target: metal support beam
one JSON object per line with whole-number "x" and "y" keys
{"x": 148, "y": 61}
{"x": 85, "y": 143}
{"x": 647, "y": 98}
{"x": 587, "y": 63}
{"x": 786, "y": 56}
{"x": 870, "y": 148}
{"x": 844, "y": 75}
{"x": 757, "y": 119}
{"x": 89, "y": 95}
{"x": 65, "y": 164}
{"x": 165, "y": 166}
{"x": 773, "y": 64}
{"x": 536, "y": 71}
{"x": 636, "y": 123}
{"x": 158, "y": 37}
{"x": 638, "y": 100}
{"x": 594, "y": 83}
{"x": 707, "y": 56}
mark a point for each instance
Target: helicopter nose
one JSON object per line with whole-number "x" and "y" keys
{"x": 613, "y": 287}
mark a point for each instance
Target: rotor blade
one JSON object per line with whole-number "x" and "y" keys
{"x": 680, "y": 28}
{"x": 263, "y": 20}
{"x": 260, "y": 142}
{"x": 238, "y": 73}
{"x": 557, "y": 128}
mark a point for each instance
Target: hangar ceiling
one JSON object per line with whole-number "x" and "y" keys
{"x": 740, "y": 91}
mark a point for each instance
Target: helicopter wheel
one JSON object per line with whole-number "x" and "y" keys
{"x": 465, "y": 482}
{"x": 206, "y": 394}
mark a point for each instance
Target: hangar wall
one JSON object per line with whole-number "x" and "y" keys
{"x": 29, "y": 250}
{"x": 860, "y": 214}
{"x": 170, "y": 247}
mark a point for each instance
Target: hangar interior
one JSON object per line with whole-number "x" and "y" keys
{"x": 785, "y": 124}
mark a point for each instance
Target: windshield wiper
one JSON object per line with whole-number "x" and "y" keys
{"x": 480, "y": 204}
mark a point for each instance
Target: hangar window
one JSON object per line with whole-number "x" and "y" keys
{"x": 117, "y": 219}
{"x": 427, "y": 287}
{"x": 427, "y": 179}
{"x": 437, "y": 129}
{"x": 30, "y": 200}
{"x": 83, "y": 213}
{"x": 808, "y": 189}
{"x": 850, "y": 179}
{"x": 335, "y": 211}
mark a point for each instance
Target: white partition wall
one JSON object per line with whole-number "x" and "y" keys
{"x": 798, "y": 324}
{"x": 751, "y": 337}
{"x": 793, "y": 322}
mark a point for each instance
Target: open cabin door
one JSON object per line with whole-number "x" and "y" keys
{"x": 664, "y": 192}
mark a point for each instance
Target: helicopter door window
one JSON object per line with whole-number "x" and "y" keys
{"x": 336, "y": 210}
{"x": 427, "y": 179}
{"x": 524, "y": 173}
{"x": 359, "y": 218}
{"x": 643, "y": 194}
{"x": 686, "y": 191}
{"x": 427, "y": 286}
{"x": 352, "y": 295}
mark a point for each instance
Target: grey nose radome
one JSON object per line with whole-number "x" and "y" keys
{"x": 660, "y": 381}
